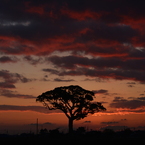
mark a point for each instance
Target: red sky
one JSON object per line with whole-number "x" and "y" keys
{"x": 99, "y": 45}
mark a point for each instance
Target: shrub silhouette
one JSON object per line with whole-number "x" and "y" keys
{"x": 81, "y": 130}
{"x": 43, "y": 131}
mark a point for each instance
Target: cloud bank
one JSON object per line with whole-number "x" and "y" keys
{"x": 38, "y": 109}
{"x": 111, "y": 33}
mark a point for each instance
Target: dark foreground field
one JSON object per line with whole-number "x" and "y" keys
{"x": 71, "y": 142}
{"x": 89, "y": 138}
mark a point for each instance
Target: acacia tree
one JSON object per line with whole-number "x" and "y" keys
{"x": 74, "y": 101}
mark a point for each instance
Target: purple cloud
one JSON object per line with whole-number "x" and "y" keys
{"x": 14, "y": 94}
{"x": 7, "y": 59}
{"x": 9, "y": 79}
{"x": 120, "y": 102}
{"x": 27, "y": 108}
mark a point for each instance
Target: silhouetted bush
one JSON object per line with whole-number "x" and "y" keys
{"x": 81, "y": 130}
{"x": 54, "y": 131}
{"x": 43, "y": 131}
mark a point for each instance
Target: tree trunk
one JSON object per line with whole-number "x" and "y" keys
{"x": 70, "y": 125}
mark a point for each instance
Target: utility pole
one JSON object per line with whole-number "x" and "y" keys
{"x": 37, "y": 126}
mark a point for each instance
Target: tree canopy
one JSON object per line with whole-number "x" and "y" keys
{"x": 74, "y": 101}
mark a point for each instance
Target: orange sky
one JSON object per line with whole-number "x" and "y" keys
{"x": 98, "y": 45}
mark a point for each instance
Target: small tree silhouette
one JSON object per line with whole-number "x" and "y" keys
{"x": 74, "y": 101}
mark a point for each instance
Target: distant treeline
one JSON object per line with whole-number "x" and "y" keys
{"x": 79, "y": 137}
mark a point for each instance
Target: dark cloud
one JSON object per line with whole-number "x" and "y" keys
{"x": 7, "y": 59}
{"x": 9, "y": 79}
{"x": 63, "y": 80}
{"x": 13, "y": 77}
{"x": 103, "y": 73}
{"x": 100, "y": 62}
{"x": 141, "y": 98}
{"x": 142, "y": 94}
{"x": 52, "y": 71}
{"x": 87, "y": 122}
{"x": 96, "y": 79}
{"x": 124, "y": 119}
{"x": 26, "y": 108}
{"x": 131, "y": 83}
{"x": 113, "y": 33}
{"x": 14, "y": 94}
{"x": 115, "y": 68}
{"x": 120, "y": 102}
{"x": 7, "y": 85}
{"x": 22, "y": 78}
{"x": 103, "y": 102}
{"x": 109, "y": 123}
{"x": 100, "y": 91}
{"x": 45, "y": 78}
{"x": 39, "y": 22}
{"x": 103, "y": 31}
{"x": 32, "y": 60}
{"x": 130, "y": 86}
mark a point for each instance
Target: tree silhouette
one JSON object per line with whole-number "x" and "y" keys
{"x": 74, "y": 101}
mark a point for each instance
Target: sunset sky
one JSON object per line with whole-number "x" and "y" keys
{"x": 96, "y": 44}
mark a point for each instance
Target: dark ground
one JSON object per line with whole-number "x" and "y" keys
{"x": 107, "y": 137}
